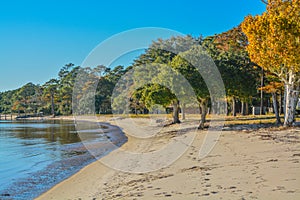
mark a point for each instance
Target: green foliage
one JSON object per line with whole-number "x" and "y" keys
{"x": 160, "y": 76}
{"x": 53, "y": 97}
{"x": 240, "y": 75}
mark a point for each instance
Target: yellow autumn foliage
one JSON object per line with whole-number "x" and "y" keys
{"x": 274, "y": 37}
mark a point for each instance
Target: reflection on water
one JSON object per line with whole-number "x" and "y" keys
{"x": 51, "y": 131}
{"x": 35, "y": 155}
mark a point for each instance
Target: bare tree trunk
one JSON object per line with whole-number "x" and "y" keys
{"x": 292, "y": 94}
{"x": 218, "y": 108}
{"x": 284, "y": 99}
{"x": 203, "y": 109}
{"x": 296, "y": 99}
{"x": 261, "y": 111}
{"x": 280, "y": 104}
{"x": 52, "y": 105}
{"x": 212, "y": 109}
{"x": 274, "y": 98}
{"x": 247, "y": 108}
{"x": 183, "y": 111}
{"x": 175, "y": 112}
{"x": 289, "y": 105}
{"x": 233, "y": 107}
{"x": 243, "y": 111}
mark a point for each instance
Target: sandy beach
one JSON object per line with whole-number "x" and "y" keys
{"x": 244, "y": 164}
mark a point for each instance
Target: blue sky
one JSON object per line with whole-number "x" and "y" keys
{"x": 38, "y": 37}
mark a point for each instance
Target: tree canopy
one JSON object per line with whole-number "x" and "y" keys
{"x": 274, "y": 39}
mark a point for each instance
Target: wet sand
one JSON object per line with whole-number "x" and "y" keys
{"x": 244, "y": 164}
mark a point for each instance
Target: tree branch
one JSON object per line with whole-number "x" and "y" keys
{"x": 264, "y": 1}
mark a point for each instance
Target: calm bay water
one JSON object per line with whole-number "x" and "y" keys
{"x": 36, "y": 155}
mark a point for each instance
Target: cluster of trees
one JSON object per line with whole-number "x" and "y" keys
{"x": 191, "y": 58}
{"x": 228, "y": 51}
{"x": 56, "y": 95}
{"x": 274, "y": 41}
{"x": 260, "y": 54}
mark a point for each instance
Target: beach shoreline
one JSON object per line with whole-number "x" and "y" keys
{"x": 66, "y": 154}
{"x": 251, "y": 164}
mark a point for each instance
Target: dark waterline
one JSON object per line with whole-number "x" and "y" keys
{"x": 36, "y": 155}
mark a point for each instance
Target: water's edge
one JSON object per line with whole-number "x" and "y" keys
{"x": 42, "y": 181}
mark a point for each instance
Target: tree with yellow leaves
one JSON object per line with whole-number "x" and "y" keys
{"x": 274, "y": 39}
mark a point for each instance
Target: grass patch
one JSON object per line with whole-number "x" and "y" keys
{"x": 268, "y": 119}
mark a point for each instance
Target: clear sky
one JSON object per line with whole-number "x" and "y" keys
{"x": 38, "y": 37}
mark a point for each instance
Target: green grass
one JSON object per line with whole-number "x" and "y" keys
{"x": 229, "y": 120}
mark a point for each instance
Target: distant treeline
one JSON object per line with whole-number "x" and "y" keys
{"x": 55, "y": 96}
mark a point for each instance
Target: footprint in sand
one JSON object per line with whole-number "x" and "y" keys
{"x": 219, "y": 187}
{"x": 290, "y": 191}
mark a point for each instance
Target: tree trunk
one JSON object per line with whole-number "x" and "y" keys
{"x": 280, "y": 104}
{"x": 274, "y": 98}
{"x": 183, "y": 111}
{"x": 243, "y": 111}
{"x": 247, "y": 108}
{"x": 52, "y": 105}
{"x": 292, "y": 94}
{"x": 261, "y": 111}
{"x": 296, "y": 99}
{"x": 203, "y": 110}
{"x": 289, "y": 107}
{"x": 218, "y": 108}
{"x": 233, "y": 107}
{"x": 175, "y": 112}
{"x": 284, "y": 99}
